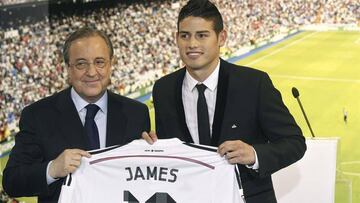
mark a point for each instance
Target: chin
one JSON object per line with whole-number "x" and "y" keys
{"x": 194, "y": 66}
{"x": 92, "y": 92}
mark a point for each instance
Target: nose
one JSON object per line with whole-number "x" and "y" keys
{"x": 193, "y": 42}
{"x": 91, "y": 71}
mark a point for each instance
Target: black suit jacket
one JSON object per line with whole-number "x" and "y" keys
{"x": 50, "y": 126}
{"x": 248, "y": 108}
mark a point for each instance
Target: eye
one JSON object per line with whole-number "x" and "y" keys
{"x": 202, "y": 35}
{"x": 82, "y": 64}
{"x": 100, "y": 63}
{"x": 184, "y": 35}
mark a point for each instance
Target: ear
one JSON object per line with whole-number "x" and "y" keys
{"x": 68, "y": 79}
{"x": 67, "y": 67}
{"x": 177, "y": 38}
{"x": 222, "y": 38}
{"x": 112, "y": 61}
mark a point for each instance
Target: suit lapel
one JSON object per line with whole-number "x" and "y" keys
{"x": 221, "y": 96}
{"x": 69, "y": 121}
{"x": 116, "y": 121}
{"x": 180, "y": 107}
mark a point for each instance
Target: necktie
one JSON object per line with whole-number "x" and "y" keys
{"x": 90, "y": 126}
{"x": 203, "y": 116}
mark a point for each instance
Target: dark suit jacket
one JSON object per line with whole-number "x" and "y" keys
{"x": 50, "y": 126}
{"x": 248, "y": 108}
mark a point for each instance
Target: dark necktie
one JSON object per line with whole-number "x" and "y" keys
{"x": 203, "y": 116}
{"x": 90, "y": 126}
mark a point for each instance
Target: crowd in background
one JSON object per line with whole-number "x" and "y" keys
{"x": 143, "y": 34}
{"x": 4, "y": 198}
{"x": 10, "y": 2}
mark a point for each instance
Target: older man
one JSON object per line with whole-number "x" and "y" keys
{"x": 56, "y": 131}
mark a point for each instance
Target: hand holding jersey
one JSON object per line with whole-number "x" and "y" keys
{"x": 236, "y": 151}
{"x": 150, "y": 137}
{"x": 67, "y": 162}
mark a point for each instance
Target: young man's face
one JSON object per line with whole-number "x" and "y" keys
{"x": 198, "y": 43}
{"x": 89, "y": 81}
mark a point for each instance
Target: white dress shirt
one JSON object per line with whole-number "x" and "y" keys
{"x": 190, "y": 96}
{"x": 100, "y": 117}
{"x": 100, "y": 120}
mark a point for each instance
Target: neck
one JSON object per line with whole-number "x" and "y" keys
{"x": 93, "y": 99}
{"x": 201, "y": 74}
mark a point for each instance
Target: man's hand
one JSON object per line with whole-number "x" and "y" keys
{"x": 237, "y": 152}
{"x": 67, "y": 162}
{"x": 150, "y": 137}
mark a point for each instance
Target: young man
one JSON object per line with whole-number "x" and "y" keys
{"x": 56, "y": 131}
{"x": 244, "y": 113}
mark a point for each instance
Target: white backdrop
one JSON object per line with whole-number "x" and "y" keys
{"x": 312, "y": 179}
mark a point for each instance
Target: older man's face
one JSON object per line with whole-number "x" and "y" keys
{"x": 89, "y": 67}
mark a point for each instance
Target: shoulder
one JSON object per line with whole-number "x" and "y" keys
{"x": 242, "y": 75}
{"x": 48, "y": 103}
{"x": 44, "y": 110}
{"x": 171, "y": 78}
{"x": 235, "y": 69}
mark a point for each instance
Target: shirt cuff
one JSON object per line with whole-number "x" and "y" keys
{"x": 49, "y": 179}
{"x": 255, "y": 166}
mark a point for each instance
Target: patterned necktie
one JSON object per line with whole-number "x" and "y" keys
{"x": 90, "y": 126}
{"x": 203, "y": 116}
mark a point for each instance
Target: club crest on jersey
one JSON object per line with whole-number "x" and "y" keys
{"x": 154, "y": 150}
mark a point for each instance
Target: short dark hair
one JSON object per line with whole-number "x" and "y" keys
{"x": 83, "y": 33}
{"x": 203, "y": 9}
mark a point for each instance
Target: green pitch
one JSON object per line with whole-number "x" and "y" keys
{"x": 324, "y": 66}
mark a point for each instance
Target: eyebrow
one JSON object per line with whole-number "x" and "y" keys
{"x": 83, "y": 59}
{"x": 80, "y": 59}
{"x": 100, "y": 57}
{"x": 200, "y": 31}
{"x": 203, "y": 31}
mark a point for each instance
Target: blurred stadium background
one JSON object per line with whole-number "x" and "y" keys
{"x": 313, "y": 45}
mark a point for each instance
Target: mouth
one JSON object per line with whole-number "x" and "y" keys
{"x": 194, "y": 54}
{"x": 91, "y": 82}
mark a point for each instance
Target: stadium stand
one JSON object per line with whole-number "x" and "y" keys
{"x": 143, "y": 33}
{"x": 4, "y": 198}
{"x": 11, "y": 2}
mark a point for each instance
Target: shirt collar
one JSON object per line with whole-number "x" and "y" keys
{"x": 210, "y": 82}
{"x": 80, "y": 103}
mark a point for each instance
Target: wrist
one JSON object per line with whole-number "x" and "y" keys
{"x": 52, "y": 171}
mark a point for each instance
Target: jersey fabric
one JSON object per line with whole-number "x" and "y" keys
{"x": 166, "y": 172}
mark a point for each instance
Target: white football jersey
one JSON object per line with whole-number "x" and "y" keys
{"x": 166, "y": 172}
